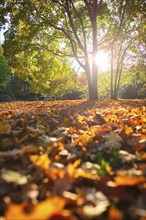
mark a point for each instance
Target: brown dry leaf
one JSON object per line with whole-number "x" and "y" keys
{"x": 62, "y": 185}
{"x": 112, "y": 141}
{"x": 99, "y": 119}
{"x": 41, "y": 211}
{"x": 9, "y": 154}
{"x": 34, "y": 132}
{"x": 5, "y": 127}
{"x": 45, "y": 141}
{"x": 60, "y": 131}
{"x": 9, "y": 142}
{"x": 30, "y": 148}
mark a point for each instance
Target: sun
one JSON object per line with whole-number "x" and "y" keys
{"x": 103, "y": 61}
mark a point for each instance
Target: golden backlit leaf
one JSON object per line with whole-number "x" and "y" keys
{"x": 124, "y": 180}
{"x": 41, "y": 161}
{"x": 41, "y": 211}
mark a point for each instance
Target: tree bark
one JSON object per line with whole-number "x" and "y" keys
{"x": 94, "y": 64}
{"x": 112, "y": 72}
{"x": 94, "y": 40}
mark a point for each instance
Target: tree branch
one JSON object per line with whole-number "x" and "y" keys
{"x": 73, "y": 27}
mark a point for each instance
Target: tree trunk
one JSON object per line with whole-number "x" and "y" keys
{"x": 92, "y": 90}
{"x": 92, "y": 84}
{"x": 112, "y": 72}
{"x": 115, "y": 95}
{"x": 94, "y": 63}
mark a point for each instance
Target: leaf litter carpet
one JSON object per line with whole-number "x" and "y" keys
{"x": 73, "y": 160}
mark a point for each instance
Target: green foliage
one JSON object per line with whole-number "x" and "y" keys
{"x": 61, "y": 27}
{"x": 21, "y": 89}
{"x": 4, "y": 73}
{"x": 133, "y": 83}
{"x": 110, "y": 159}
{"x": 134, "y": 86}
{"x": 46, "y": 74}
{"x": 75, "y": 93}
{"x": 5, "y": 79}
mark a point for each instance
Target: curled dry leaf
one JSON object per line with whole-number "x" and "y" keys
{"x": 45, "y": 141}
{"x": 60, "y": 131}
{"x": 13, "y": 176}
{"x": 9, "y": 143}
{"x": 126, "y": 157}
{"x": 34, "y": 132}
{"x": 112, "y": 141}
{"x": 99, "y": 203}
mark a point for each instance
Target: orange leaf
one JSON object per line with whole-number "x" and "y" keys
{"x": 115, "y": 214}
{"x": 124, "y": 180}
{"x": 41, "y": 161}
{"x": 42, "y": 211}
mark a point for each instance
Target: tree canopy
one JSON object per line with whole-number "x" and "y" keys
{"x": 78, "y": 29}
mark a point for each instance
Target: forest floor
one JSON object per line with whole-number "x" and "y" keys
{"x": 73, "y": 160}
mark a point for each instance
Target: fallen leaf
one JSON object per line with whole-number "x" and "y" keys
{"x": 41, "y": 161}
{"x": 5, "y": 127}
{"x": 13, "y": 176}
{"x": 115, "y": 214}
{"x": 39, "y": 211}
{"x": 99, "y": 204}
{"x": 125, "y": 180}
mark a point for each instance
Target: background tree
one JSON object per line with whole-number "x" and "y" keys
{"x": 126, "y": 43}
{"x": 46, "y": 74}
{"x": 69, "y": 22}
{"x": 5, "y": 78}
{"x": 135, "y": 85}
